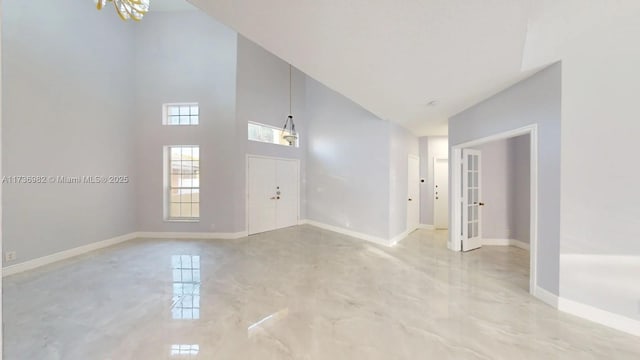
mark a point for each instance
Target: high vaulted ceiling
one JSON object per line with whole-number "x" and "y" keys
{"x": 395, "y": 56}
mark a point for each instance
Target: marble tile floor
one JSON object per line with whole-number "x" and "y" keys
{"x": 296, "y": 293}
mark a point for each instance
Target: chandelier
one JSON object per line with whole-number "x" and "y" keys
{"x": 128, "y": 9}
{"x": 289, "y": 133}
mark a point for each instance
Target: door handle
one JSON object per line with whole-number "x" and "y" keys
{"x": 481, "y": 204}
{"x": 273, "y": 198}
{"x": 410, "y": 199}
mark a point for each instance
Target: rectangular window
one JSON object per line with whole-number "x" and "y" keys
{"x": 181, "y": 114}
{"x": 268, "y": 134}
{"x": 182, "y": 182}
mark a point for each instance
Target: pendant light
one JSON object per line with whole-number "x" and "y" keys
{"x": 128, "y": 9}
{"x": 289, "y": 133}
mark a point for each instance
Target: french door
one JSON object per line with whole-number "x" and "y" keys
{"x": 471, "y": 193}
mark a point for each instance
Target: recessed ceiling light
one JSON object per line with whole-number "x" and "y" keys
{"x": 432, "y": 102}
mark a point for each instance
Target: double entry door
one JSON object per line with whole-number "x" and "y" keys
{"x": 273, "y": 196}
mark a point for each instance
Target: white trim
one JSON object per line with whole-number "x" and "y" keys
{"x": 66, "y": 254}
{"x": 454, "y": 196}
{"x": 600, "y": 316}
{"x": 355, "y": 234}
{"x": 505, "y": 242}
{"x": 190, "y": 235}
{"x": 396, "y": 239}
{"x": 545, "y": 296}
{"x": 426, "y": 227}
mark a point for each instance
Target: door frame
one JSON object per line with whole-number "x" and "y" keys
{"x": 246, "y": 184}
{"x": 455, "y": 198}
{"x": 435, "y": 161}
{"x": 417, "y": 225}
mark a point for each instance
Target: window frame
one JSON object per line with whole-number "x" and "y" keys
{"x": 275, "y": 128}
{"x": 168, "y": 187}
{"x": 166, "y": 115}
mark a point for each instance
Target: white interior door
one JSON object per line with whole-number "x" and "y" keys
{"x": 261, "y": 195}
{"x": 471, "y": 229}
{"x": 287, "y": 193}
{"x": 441, "y": 193}
{"x": 273, "y": 196}
{"x": 413, "y": 191}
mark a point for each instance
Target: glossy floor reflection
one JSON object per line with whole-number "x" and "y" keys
{"x": 297, "y": 293}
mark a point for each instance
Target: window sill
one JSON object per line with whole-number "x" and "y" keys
{"x": 183, "y": 220}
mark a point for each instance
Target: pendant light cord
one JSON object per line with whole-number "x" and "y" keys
{"x": 290, "y": 96}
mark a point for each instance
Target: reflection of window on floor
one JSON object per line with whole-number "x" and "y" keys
{"x": 186, "y": 287}
{"x": 184, "y": 349}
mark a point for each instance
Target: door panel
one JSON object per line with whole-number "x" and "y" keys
{"x": 471, "y": 230}
{"x": 261, "y": 195}
{"x": 413, "y": 192}
{"x": 441, "y": 193}
{"x": 288, "y": 199}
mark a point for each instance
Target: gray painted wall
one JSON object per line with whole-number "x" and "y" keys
{"x": 402, "y": 144}
{"x": 520, "y": 163}
{"x": 187, "y": 57}
{"x": 263, "y": 96}
{"x": 600, "y": 248}
{"x": 69, "y": 116}
{"x": 347, "y": 163}
{"x": 430, "y": 147}
{"x": 505, "y": 189}
{"x": 536, "y": 100}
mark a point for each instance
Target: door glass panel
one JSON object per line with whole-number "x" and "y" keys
{"x": 475, "y": 179}
{"x": 469, "y": 230}
{"x": 475, "y": 229}
{"x": 470, "y": 179}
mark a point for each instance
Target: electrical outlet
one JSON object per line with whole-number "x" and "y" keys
{"x": 10, "y": 256}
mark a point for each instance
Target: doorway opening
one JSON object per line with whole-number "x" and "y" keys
{"x": 502, "y": 209}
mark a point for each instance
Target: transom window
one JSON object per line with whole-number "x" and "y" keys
{"x": 267, "y": 134}
{"x": 181, "y": 114}
{"x": 182, "y": 171}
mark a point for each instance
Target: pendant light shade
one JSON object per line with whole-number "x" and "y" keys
{"x": 128, "y": 9}
{"x": 289, "y": 133}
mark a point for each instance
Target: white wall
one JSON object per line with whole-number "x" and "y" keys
{"x": 188, "y": 57}
{"x": 536, "y": 100}
{"x": 347, "y": 163}
{"x": 505, "y": 189}
{"x": 600, "y": 250}
{"x": 430, "y": 148}
{"x": 68, "y": 111}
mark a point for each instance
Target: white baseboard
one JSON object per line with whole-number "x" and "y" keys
{"x": 545, "y": 296}
{"x": 588, "y": 312}
{"x": 355, "y": 234}
{"x": 426, "y": 227}
{"x": 396, "y": 239}
{"x": 66, "y": 254}
{"x": 506, "y": 242}
{"x": 189, "y": 235}
{"x": 600, "y": 316}
{"x": 63, "y": 255}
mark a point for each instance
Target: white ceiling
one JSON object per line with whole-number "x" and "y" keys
{"x": 393, "y": 56}
{"x": 170, "y": 5}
